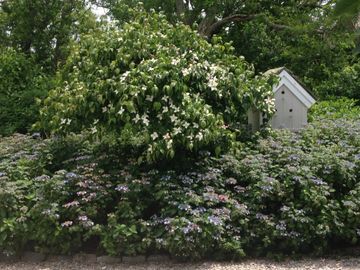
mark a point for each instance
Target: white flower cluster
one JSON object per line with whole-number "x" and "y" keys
{"x": 65, "y": 121}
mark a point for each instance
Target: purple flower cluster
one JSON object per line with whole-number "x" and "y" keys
{"x": 122, "y": 188}
{"x": 215, "y": 220}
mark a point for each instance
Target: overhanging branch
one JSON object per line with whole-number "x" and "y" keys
{"x": 214, "y": 28}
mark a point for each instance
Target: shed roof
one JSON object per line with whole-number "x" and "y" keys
{"x": 288, "y": 79}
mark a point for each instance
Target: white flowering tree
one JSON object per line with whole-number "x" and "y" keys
{"x": 162, "y": 83}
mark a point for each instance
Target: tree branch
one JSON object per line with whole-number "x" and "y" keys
{"x": 214, "y": 28}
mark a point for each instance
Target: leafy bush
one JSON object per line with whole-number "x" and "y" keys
{"x": 162, "y": 84}
{"x": 21, "y": 84}
{"x": 285, "y": 194}
{"x": 335, "y": 108}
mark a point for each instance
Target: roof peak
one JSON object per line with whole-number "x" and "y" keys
{"x": 274, "y": 71}
{"x": 278, "y": 70}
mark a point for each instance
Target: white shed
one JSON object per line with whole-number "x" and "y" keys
{"x": 292, "y": 102}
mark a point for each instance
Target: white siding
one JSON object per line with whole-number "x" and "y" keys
{"x": 291, "y": 112}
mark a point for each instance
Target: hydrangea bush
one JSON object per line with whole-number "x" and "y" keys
{"x": 160, "y": 83}
{"x": 288, "y": 193}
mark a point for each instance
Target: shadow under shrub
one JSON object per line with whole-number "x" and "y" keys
{"x": 285, "y": 194}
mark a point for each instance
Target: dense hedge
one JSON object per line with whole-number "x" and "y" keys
{"x": 284, "y": 194}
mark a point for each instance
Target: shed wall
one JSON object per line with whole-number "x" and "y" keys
{"x": 291, "y": 112}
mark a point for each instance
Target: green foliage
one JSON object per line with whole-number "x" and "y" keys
{"x": 162, "y": 84}
{"x": 286, "y": 194}
{"x": 322, "y": 62}
{"x": 304, "y": 36}
{"x": 44, "y": 29}
{"x": 345, "y": 82}
{"x": 351, "y": 7}
{"x": 337, "y": 108}
{"x": 22, "y": 82}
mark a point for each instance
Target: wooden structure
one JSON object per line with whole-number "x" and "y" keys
{"x": 292, "y": 102}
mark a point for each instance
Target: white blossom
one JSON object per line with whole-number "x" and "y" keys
{"x": 149, "y": 98}
{"x": 167, "y": 136}
{"x": 186, "y": 71}
{"x": 65, "y": 121}
{"x": 145, "y": 120}
{"x": 186, "y": 125}
{"x": 213, "y": 83}
{"x": 173, "y": 118}
{"x": 199, "y": 136}
{"x": 124, "y": 76}
{"x": 93, "y": 130}
{"x": 121, "y": 111}
{"x": 270, "y": 101}
{"x": 174, "y": 62}
{"x": 169, "y": 144}
{"x": 177, "y": 130}
{"x": 154, "y": 136}
{"x": 137, "y": 118}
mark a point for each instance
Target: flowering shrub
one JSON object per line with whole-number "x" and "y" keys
{"x": 284, "y": 194}
{"x": 160, "y": 83}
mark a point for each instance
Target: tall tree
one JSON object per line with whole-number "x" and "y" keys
{"x": 43, "y": 28}
{"x": 212, "y": 16}
{"x": 303, "y": 35}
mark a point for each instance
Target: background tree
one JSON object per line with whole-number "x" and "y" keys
{"x": 22, "y": 81}
{"x": 303, "y": 35}
{"x": 44, "y": 29}
{"x": 350, "y": 7}
{"x": 36, "y": 36}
